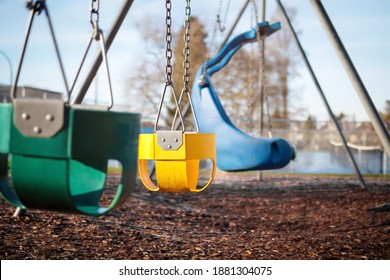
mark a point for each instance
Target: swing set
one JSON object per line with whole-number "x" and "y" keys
{"x": 58, "y": 155}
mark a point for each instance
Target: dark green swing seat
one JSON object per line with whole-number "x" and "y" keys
{"x": 67, "y": 172}
{"x": 59, "y": 153}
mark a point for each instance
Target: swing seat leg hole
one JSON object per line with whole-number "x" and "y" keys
{"x": 113, "y": 180}
{"x": 205, "y": 172}
{"x": 152, "y": 171}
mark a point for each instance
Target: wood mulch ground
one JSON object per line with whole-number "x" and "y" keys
{"x": 237, "y": 217}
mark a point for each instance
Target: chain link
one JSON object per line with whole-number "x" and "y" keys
{"x": 168, "y": 39}
{"x": 37, "y": 6}
{"x": 217, "y": 26}
{"x": 218, "y": 21}
{"x": 186, "y": 67}
{"x": 262, "y": 78}
{"x": 252, "y": 61}
{"x": 268, "y": 113}
{"x": 94, "y": 15}
{"x": 186, "y": 49}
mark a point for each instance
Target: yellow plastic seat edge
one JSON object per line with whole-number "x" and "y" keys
{"x": 145, "y": 153}
{"x": 144, "y": 175}
{"x": 209, "y": 181}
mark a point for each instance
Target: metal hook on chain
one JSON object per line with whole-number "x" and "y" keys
{"x": 36, "y": 8}
{"x": 97, "y": 35}
{"x": 169, "y": 85}
{"x": 94, "y": 18}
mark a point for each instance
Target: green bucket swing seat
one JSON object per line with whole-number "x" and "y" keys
{"x": 67, "y": 172}
{"x": 59, "y": 154}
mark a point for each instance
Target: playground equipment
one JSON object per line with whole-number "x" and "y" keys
{"x": 177, "y": 153}
{"x": 57, "y": 164}
{"x": 236, "y": 150}
{"x": 58, "y": 153}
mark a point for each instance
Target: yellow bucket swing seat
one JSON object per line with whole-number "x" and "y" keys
{"x": 177, "y": 155}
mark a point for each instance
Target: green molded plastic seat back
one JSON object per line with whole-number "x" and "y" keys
{"x": 67, "y": 172}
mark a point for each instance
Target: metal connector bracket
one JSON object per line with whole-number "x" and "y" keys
{"x": 170, "y": 140}
{"x": 41, "y": 118}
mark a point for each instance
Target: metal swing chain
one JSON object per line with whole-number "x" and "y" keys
{"x": 217, "y": 25}
{"x": 186, "y": 49}
{"x": 213, "y": 36}
{"x": 222, "y": 26}
{"x": 168, "y": 70}
{"x": 186, "y": 64}
{"x": 94, "y": 14}
{"x": 251, "y": 103}
{"x": 262, "y": 78}
{"x": 168, "y": 40}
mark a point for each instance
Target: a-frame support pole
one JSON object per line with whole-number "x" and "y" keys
{"x": 361, "y": 90}
{"x": 323, "y": 97}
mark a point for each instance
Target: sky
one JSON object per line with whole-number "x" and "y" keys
{"x": 362, "y": 25}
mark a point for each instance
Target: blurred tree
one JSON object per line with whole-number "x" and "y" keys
{"x": 144, "y": 87}
{"x": 308, "y": 128}
{"x": 282, "y": 60}
{"x": 340, "y": 119}
{"x": 386, "y": 114}
{"x": 341, "y": 116}
{"x": 310, "y": 123}
{"x": 233, "y": 86}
